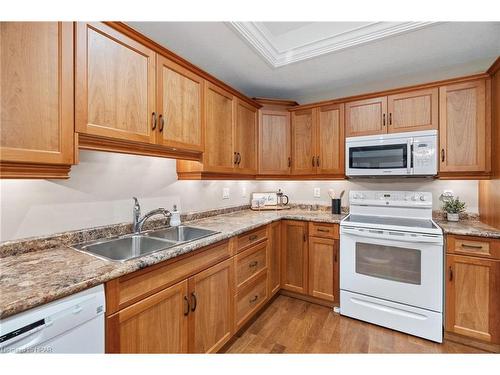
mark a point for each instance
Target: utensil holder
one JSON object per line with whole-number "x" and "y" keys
{"x": 336, "y": 206}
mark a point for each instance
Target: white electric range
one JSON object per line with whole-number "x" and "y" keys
{"x": 391, "y": 262}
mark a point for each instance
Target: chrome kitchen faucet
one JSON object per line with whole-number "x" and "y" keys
{"x": 139, "y": 222}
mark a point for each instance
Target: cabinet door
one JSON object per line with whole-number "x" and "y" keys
{"x": 36, "y": 85}
{"x": 294, "y": 256}
{"x": 303, "y": 142}
{"x": 245, "y": 138}
{"x": 218, "y": 156}
{"x": 462, "y": 127}
{"x": 180, "y": 103}
{"x": 323, "y": 254}
{"x": 274, "y": 253}
{"x": 330, "y": 140}
{"x": 212, "y": 299}
{"x": 473, "y": 298}
{"x": 366, "y": 117}
{"x": 413, "y": 111}
{"x": 156, "y": 324}
{"x": 274, "y": 142}
{"x": 114, "y": 84}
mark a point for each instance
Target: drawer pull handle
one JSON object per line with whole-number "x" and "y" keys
{"x": 253, "y": 299}
{"x": 195, "y": 301}
{"x": 472, "y": 246}
{"x": 253, "y": 237}
{"x": 323, "y": 230}
{"x": 253, "y": 264}
{"x": 186, "y": 310}
{"x": 451, "y": 273}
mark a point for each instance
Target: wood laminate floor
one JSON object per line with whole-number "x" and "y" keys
{"x": 289, "y": 325}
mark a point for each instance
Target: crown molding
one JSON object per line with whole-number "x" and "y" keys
{"x": 256, "y": 34}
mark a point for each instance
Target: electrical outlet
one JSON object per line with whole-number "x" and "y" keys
{"x": 225, "y": 193}
{"x": 317, "y": 193}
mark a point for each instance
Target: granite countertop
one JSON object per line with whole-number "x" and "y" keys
{"x": 29, "y": 279}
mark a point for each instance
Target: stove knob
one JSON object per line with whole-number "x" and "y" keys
{"x": 414, "y": 198}
{"x": 422, "y": 198}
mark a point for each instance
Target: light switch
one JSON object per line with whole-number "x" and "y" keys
{"x": 317, "y": 192}
{"x": 225, "y": 193}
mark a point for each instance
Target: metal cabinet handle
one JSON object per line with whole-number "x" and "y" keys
{"x": 390, "y": 118}
{"x": 304, "y": 237}
{"x": 335, "y": 257}
{"x": 253, "y": 264}
{"x": 195, "y": 301}
{"x": 162, "y": 123}
{"x": 383, "y": 119}
{"x": 313, "y": 160}
{"x": 442, "y": 154}
{"x": 186, "y": 310}
{"x": 239, "y": 158}
{"x": 235, "y": 158}
{"x": 472, "y": 246}
{"x": 451, "y": 273}
{"x": 317, "y": 161}
{"x": 153, "y": 120}
{"x": 323, "y": 230}
{"x": 289, "y": 162}
{"x": 253, "y": 237}
{"x": 253, "y": 299}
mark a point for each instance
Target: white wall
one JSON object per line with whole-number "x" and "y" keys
{"x": 100, "y": 189}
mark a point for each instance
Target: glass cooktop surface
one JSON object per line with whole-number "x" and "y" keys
{"x": 391, "y": 221}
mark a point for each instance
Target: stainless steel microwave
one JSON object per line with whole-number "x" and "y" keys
{"x": 400, "y": 154}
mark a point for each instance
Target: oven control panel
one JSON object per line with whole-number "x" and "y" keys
{"x": 391, "y": 198}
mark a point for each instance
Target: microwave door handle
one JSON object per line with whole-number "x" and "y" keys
{"x": 389, "y": 236}
{"x": 409, "y": 155}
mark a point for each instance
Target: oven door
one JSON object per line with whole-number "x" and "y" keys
{"x": 379, "y": 157}
{"x": 397, "y": 266}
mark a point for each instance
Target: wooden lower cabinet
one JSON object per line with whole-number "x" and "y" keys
{"x": 274, "y": 254}
{"x": 323, "y": 268}
{"x": 473, "y": 297}
{"x": 211, "y": 310}
{"x": 156, "y": 324}
{"x": 294, "y": 256}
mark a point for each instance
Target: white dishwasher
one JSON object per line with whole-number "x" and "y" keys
{"x": 74, "y": 324}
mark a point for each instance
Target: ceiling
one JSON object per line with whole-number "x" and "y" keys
{"x": 311, "y": 61}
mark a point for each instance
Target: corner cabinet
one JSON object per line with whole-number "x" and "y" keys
{"x": 36, "y": 123}
{"x": 117, "y": 110}
{"x": 294, "y": 256}
{"x": 464, "y": 129}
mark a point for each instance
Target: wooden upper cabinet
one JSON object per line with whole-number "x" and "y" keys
{"x": 294, "y": 256}
{"x": 274, "y": 142}
{"x": 464, "y": 145}
{"x": 303, "y": 142}
{"x": 180, "y": 104}
{"x": 212, "y": 302}
{"x": 245, "y": 137}
{"x": 36, "y": 84}
{"x": 114, "y": 84}
{"x": 413, "y": 111}
{"x": 366, "y": 117}
{"x": 330, "y": 139}
{"x": 473, "y": 298}
{"x": 156, "y": 324}
{"x": 219, "y": 112}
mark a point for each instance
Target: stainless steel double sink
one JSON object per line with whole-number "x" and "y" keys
{"x": 136, "y": 245}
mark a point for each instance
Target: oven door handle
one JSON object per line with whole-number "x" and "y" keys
{"x": 391, "y": 236}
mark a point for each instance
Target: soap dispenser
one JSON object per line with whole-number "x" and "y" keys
{"x": 175, "y": 218}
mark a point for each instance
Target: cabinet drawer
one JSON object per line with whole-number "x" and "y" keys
{"x": 324, "y": 230}
{"x": 475, "y": 246}
{"x": 249, "y": 238}
{"x": 250, "y": 262}
{"x": 251, "y": 298}
{"x": 131, "y": 288}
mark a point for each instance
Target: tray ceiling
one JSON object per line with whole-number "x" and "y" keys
{"x": 283, "y": 43}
